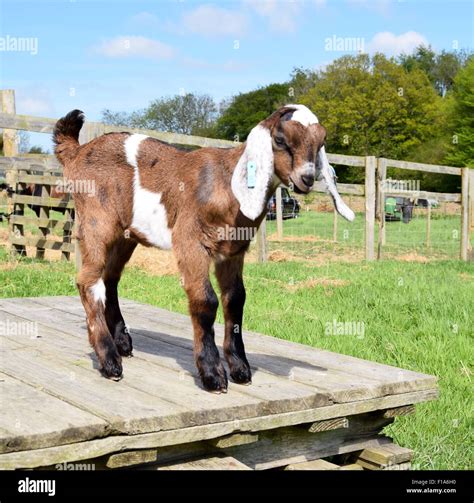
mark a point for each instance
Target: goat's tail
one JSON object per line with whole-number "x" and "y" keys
{"x": 66, "y": 136}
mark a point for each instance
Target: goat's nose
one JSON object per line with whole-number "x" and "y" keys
{"x": 308, "y": 179}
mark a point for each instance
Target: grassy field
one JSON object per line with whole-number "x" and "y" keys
{"x": 400, "y": 238}
{"x": 416, "y": 316}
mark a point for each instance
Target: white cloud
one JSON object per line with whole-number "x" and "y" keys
{"x": 135, "y": 46}
{"x": 381, "y": 6}
{"x": 392, "y": 45}
{"x": 214, "y": 21}
{"x": 146, "y": 19}
{"x": 281, "y": 14}
{"x": 31, "y": 101}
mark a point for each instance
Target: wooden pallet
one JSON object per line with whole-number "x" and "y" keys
{"x": 304, "y": 404}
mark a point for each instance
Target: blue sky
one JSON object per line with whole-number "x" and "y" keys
{"x": 121, "y": 54}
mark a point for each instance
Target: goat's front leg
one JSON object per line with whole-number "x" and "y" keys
{"x": 229, "y": 276}
{"x": 194, "y": 262}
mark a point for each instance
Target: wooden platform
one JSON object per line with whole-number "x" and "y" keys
{"x": 304, "y": 404}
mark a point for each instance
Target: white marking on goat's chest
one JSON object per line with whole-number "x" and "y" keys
{"x": 149, "y": 213}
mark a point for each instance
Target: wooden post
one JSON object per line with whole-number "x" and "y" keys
{"x": 381, "y": 180}
{"x": 10, "y": 149}
{"x": 370, "y": 165}
{"x": 464, "y": 213}
{"x": 428, "y": 226}
{"x": 43, "y": 213}
{"x": 279, "y": 213}
{"x": 334, "y": 226}
{"x": 262, "y": 241}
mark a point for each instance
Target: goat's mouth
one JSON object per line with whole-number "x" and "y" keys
{"x": 301, "y": 187}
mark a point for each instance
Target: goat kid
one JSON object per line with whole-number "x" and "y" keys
{"x": 151, "y": 193}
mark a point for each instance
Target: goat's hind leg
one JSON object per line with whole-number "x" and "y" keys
{"x": 117, "y": 257}
{"x": 93, "y": 294}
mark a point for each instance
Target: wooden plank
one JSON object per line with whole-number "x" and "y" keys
{"x": 380, "y": 201}
{"x": 464, "y": 214}
{"x": 178, "y": 387}
{"x": 32, "y": 419}
{"x": 418, "y": 166}
{"x": 130, "y": 458}
{"x": 38, "y": 242}
{"x": 100, "y": 447}
{"x": 347, "y": 160}
{"x": 337, "y": 385}
{"x": 370, "y": 207}
{"x": 442, "y": 197}
{"x": 286, "y": 446}
{"x": 42, "y": 222}
{"x": 262, "y": 241}
{"x": 389, "y": 454}
{"x": 233, "y": 440}
{"x": 400, "y": 411}
{"x": 46, "y": 125}
{"x": 49, "y": 202}
{"x": 52, "y": 180}
{"x": 208, "y": 463}
{"x": 330, "y": 424}
{"x": 10, "y": 136}
{"x": 391, "y": 379}
{"x": 352, "y": 189}
{"x": 317, "y": 464}
{"x": 44, "y": 163}
{"x": 351, "y": 467}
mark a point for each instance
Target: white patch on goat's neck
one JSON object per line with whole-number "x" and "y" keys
{"x": 258, "y": 149}
{"x": 98, "y": 291}
{"x": 303, "y": 115}
{"x": 149, "y": 213}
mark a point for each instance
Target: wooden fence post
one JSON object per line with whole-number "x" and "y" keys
{"x": 370, "y": 165}
{"x": 380, "y": 201}
{"x": 10, "y": 149}
{"x": 279, "y": 213}
{"x": 262, "y": 241}
{"x": 464, "y": 213}
{"x": 428, "y": 226}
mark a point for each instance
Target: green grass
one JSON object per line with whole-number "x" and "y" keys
{"x": 416, "y": 316}
{"x": 400, "y": 238}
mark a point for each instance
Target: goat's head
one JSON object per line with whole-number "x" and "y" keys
{"x": 288, "y": 148}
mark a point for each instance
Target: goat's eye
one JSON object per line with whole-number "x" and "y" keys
{"x": 279, "y": 140}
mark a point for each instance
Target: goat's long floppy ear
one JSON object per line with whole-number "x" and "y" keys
{"x": 328, "y": 175}
{"x": 258, "y": 154}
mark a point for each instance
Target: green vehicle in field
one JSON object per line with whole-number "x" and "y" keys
{"x": 398, "y": 208}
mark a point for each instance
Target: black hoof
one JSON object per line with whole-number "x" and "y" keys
{"x": 123, "y": 341}
{"x": 240, "y": 372}
{"x": 216, "y": 381}
{"x": 112, "y": 368}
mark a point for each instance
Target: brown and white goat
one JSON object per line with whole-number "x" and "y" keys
{"x": 151, "y": 193}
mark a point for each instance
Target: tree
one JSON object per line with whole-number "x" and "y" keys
{"x": 247, "y": 109}
{"x": 461, "y": 119}
{"x": 372, "y": 106}
{"x": 186, "y": 114}
{"x": 441, "y": 68}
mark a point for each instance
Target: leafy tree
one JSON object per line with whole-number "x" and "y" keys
{"x": 462, "y": 118}
{"x": 372, "y": 106}
{"x": 187, "y": 114}
{"x": 248, "y": 109}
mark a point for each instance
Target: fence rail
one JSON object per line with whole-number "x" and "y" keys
{"x": 45, "y": 171}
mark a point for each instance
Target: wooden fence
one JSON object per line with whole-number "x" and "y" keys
{"x": 46, "y": 172}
